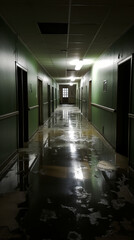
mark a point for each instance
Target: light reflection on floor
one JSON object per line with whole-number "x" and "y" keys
{"x": 72, "y": 184}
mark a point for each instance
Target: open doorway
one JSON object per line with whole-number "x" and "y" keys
{"x": 52, "y": 99}
{"x": 49, "y": 100}
{"x": 82, "y": 100}
{"x": 56, "y": 97}
{"x": 65, "y": 93}
{"x": 90, "y": 100}
{"x": 40, "y": 101}
{"x": 79, "y": 97}
{"x": 123, "y": 92}
{"x": 22, "y": 99}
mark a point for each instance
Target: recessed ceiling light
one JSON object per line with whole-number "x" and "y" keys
{"x": 74, "y": 62}
{"x": 79, "y": 63}
{"x": 72, "y": 79}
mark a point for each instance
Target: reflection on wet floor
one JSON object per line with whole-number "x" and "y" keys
{"x": 68, "y": 184}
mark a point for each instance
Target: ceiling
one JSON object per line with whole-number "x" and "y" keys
{"x": 91, "y": 26}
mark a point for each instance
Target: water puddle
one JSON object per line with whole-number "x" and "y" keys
{"x": 74, "y": 236}
{"x": 117, "y": 203}
{"x": 47, "y": 215}
{"x": 93, "y": 217}
{"x": 104, "y": 165}
{"x": 82, "y": 194}
{"x": 104, "y": 202}
{"x": 72, "y": 209}
{"x": 124, "y": 195}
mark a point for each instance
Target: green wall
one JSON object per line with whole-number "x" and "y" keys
{"x": 104, "y": 90}
{"x": 8, "y": 130}
{"x": 13, "y": 51}
{"x": 104, "y": 94}
{"x": 84, "y": 97}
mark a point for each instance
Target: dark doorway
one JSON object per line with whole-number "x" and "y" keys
{"x": 81, "y": 99}
{"x": 65, "y": 93}
{"x": 123, "y": 90}
{"x": 85, "y": 104}
{"x": 40, "y": 101}
{"x": 22, "y": 95}
{"x": 55, "y": 97}
{"x": 90, "y": 100}
{"x": 49, "y": 100}
{"x": 52, "y": 99}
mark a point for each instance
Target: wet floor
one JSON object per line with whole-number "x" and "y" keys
{"x": 67, "y": 184}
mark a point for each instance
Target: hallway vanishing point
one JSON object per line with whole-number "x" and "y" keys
{"x": 67, "y": 184}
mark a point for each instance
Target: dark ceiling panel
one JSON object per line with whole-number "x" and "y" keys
{"x": 53, "y": 28}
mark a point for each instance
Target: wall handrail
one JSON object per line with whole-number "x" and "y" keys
{"x": 131, "y": 115}
{"x": 33, "y": 107}
{"x": 103, "y": 107}
{"x": 8, "y": 115}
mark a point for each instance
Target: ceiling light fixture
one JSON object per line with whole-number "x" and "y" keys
{"x": 79, "y": 63}
{"x": 72, "y": 79}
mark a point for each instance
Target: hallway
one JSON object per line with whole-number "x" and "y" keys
{"x": 67, "y": 184}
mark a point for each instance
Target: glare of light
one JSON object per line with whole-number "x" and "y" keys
{"x": 88, "y": 61}
{"x": 74, "y": 62}
{"x": 71, "y": 135}
{"x": 79, "y": 63}
{"x": 72, "y": 148}
{"x": 72, "y": 79}
{"x": 83, "y": 79}
{"x": 71, "y": 84}
{"x": 78, "y": 173}
{"x": 32, "y": 158}
{"x": 104, "y": 63}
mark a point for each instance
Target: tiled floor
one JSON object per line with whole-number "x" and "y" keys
{"x": 67, "y": 184}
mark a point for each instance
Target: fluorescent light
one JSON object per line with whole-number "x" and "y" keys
{"x": 87, "y": 61}
{"x": 72, "y": 79}
{"x": 74, "y": 62}
{"x": 79, "y": 65}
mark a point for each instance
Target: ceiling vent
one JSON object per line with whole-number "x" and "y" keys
{"x": 53, "y": 28}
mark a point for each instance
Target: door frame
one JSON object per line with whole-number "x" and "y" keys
{"x": 52, "y": 99}
{"x": 123, "y": 147}
{"x": 82, "y": 99}
{"x": 22, "y": 104}
{"x": 49, "y": 100}
{"x": 40, "y": 101}
{"x": 55, "y": 97}
{"x": 90, "y": 101}
{"x": 65, "y": 100}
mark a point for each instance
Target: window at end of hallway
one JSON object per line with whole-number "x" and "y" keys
{"x": 65, "y": 92}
